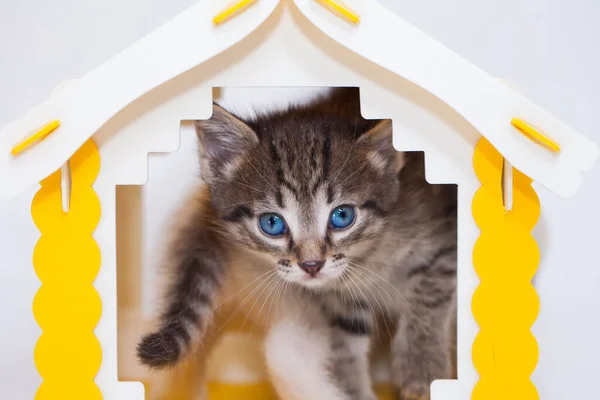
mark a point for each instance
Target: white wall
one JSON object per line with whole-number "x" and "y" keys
{"x": 548, "y": 48}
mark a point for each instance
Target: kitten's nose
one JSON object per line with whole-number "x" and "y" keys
{"x": 312, "y": 267}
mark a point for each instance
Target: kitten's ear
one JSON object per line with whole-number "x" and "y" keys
{"x": 382, "y": 153}
{"x": 223, "y": 139}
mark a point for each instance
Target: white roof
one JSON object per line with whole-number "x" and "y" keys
{"x": 381, "y": 37}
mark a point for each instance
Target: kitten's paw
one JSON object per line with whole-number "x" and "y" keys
{"x": 158, "y": 350}
{"x": 414, "y": 392}
{"x": 414, "y": 373}
{"x": 369, "y": 396}
{"x": 413, "y": 382}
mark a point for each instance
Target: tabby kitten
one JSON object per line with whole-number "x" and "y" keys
{"x": 315, "y": 200}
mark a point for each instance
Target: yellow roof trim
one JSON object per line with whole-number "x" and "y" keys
{"x": 232, "y": 11}
{"x": 341, "y": 10}
{"x": 34, "y": 139}
{"x": 536, "y": 135}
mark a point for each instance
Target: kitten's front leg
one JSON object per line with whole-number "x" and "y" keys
{"x": 424, "y": 345}
{"x": 310, "y": 355}
{"x": 297, "y": 354}
{"x": 197, "y": 263}
{"x": 351, "y": 338}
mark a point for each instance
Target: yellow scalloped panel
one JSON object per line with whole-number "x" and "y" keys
{"x": 505, "y": 304}
{"x": 67, "y": 306}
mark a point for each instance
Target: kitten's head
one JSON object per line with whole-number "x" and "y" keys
{"x": 308, "y": 191}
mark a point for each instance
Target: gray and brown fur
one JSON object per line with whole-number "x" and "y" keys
{"x": 392, "y": 274}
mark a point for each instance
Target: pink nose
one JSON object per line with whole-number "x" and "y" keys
{"x": 312, "y": 267}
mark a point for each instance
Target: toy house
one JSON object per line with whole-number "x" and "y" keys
{"x": 97, "y": 131}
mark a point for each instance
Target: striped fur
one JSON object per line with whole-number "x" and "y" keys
{"x": 197, "y": 259}
{"x": 390, "y": 275}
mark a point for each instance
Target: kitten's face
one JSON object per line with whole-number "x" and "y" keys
{"x": 309, "y": 195}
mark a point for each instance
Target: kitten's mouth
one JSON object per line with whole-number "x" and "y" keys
{"x": 314, "y": 282}
{"x": 323, "y": 278}
{"x": 310, "y": 277}
{"x": 313, "y": 278}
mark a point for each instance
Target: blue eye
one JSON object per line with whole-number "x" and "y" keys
{"x": 272, "y": 224}
{"x": 342, "y": 217}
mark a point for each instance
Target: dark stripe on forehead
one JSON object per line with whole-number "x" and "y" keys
{"x": 313, "y": 155}
{"x": 372, "y": 205}
{"x": 329, "y": 194}
{"x": 326, "y": 154}
{"x": 238, "y": 214}
{"x": 295, "y": 191}
{"x": 323, "y": 173}
{"x": 279, "y": 198}
{"x": 278, "y": 170}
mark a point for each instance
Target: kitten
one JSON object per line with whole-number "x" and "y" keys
{"x": 315, "y": 205}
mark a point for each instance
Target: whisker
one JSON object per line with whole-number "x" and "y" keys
{"x": 269, "y": 296}
{"x": 247, "y": 298}
{"x": 371, "y": 279}
{"x": 274, "y": 298}
{"x": 243, "y": 203}
{"x": 262, "y": 176}
{"x": 370, "y": 306}
{"x": 248, "y": 186}
{"x": 363, "y": 275}
{"x": 347, "y": 155}
{"x": 353, "y": 299}
{"x": 354, "y": 173}
{"x": 288, "y": 284}
{"x": 342, "y": 293}
{"x": 392, "y": 286}
{"x": 244, "y": 288}
{"x": 272, "y": 279}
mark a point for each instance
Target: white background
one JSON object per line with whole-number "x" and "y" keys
{"x": 548, "y": 48}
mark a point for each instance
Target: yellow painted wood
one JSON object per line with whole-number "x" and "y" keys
{"x": 232, "y": 11}
{"x": 536, "y": 135}
{"x": 259, "y": 391}
{"x": 34, "y": 139}
{"x": 219, "y": 391}
{"x": 264, "y": 392}
{"x": 341, "y": 10}
{"x": 505, "y": 305}
{"x": 66, "y": 260}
